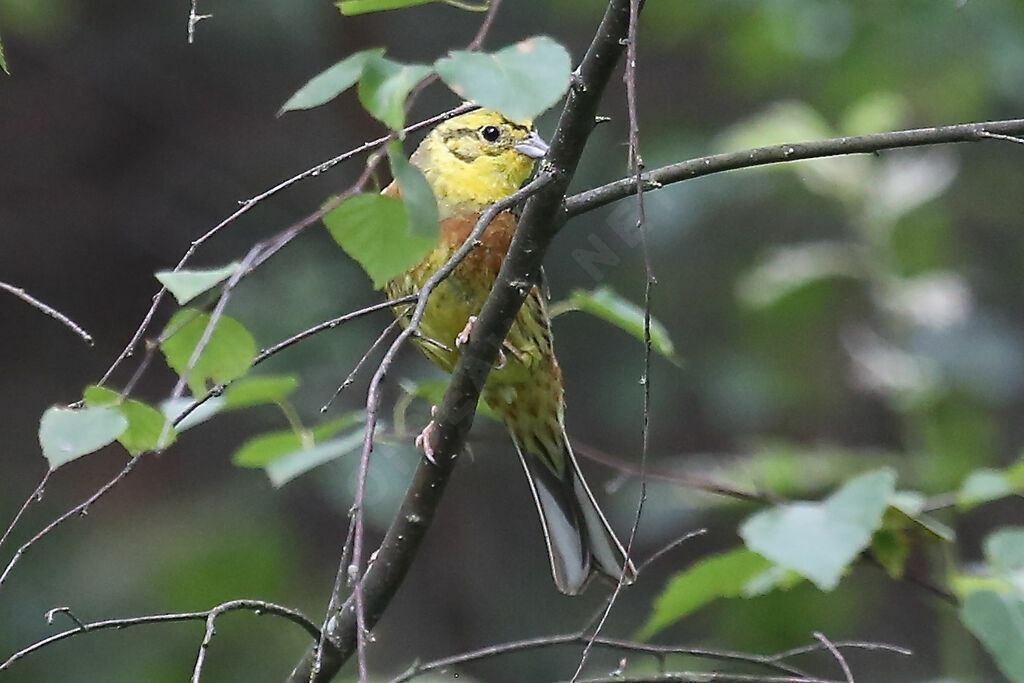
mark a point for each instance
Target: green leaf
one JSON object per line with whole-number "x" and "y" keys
{"x": 891, "y": 547}
{"x": 228, "y": 355}
{"x": 252, "y": 391}
{"x": 352, "y": 7}
{"x": 374, "y": 230}
{"x": 726, "y": 575}
{"x": 66, "y": 434}
{"x": 261, "y": 450}
{"x": 997, "y": 620}
{"x": 385, "y": 84}
{"x": 289, "y": 466}
{"x": 521, "y": 81}
{"x": 186, "y": 285}
{"x": 774, "y": 578}
{"x": 330, "y": 83}
{"x": 610, "y": 306}
{"x": 1004, "y": 550}
{"x": 146, "y": 424}
{"x": 420, "y": 202}
{"x": 905, "y": 512}
{"x": 985, "y": 484}
{"x": 819, "y": 540}
{"x": 3, "y": 60}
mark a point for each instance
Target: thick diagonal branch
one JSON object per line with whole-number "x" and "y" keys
{"x": 542, "y": 216}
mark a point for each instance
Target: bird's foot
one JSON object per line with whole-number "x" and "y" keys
{"x": 423, "y": 439}
{"x": 463, "y": 337}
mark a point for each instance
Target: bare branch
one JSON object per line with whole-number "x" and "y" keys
{"x": 35, "y": 496}
{"x": 635, "y": 165}
{"x": 258, "y": 607}
{"x": 795, "y": 151}
{"x": 772, "y": 662}
{"x": 48, "y": 310}
{"x": 849, "y": 644}
{"x": 837, "y": 654}
{"x": 194, "y": 18}
{"x": 706, "y": 677}
{"x": 80, "y": 509}
{"x": 581, "y": 638}
{"x": 377, "y": 343}
{"x": 701, "y": 483}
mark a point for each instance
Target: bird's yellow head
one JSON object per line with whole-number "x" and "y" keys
{"x": 476, "y": 159}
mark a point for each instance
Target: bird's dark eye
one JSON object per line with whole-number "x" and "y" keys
{"x": 490, "y": 133}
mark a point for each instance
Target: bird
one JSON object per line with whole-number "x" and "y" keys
{"x": 471, "y": 161}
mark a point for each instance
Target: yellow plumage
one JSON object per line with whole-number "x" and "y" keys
{"x": 472, "y": 161}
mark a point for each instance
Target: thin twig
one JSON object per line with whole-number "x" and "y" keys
{"x": 485, "y": 27}
{"x": 48, "y": 310}
{"x": 668, "y": 547}
{"x": 773, "y": 662}
{"x": 194, "y": 18}
{"x": 259, "y": 607}
{"x": 706, "y": 677}
{"x": 1006, "y": 138}
{"x": 51, "y": 615}
{"x": 351, "y": 378}
{"x": 80, "y": 509}
{"x": 849, "y": 644}
{"x": 330, "y": 324}
{"x": 581, "y": 638}
{"x": 700, "y": 483}
{"x": 290, "y": 341}
{"x": 35, "y": 496}
{"x": 837, "y": 654}
{"x": 635, "y": 164}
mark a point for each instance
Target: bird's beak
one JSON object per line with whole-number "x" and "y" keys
{"x": 533, "y": 146}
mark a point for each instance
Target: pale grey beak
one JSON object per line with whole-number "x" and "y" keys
{"x": 533, "y": 146}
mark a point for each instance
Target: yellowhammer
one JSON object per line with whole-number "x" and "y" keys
{"x": 472, "y": 161}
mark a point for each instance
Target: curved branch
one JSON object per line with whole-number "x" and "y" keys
{"x": 773, "y": 661}
{"x": 48, "y": 310}
{"x": 259, "y": 607}
{"x": 794, "y": 151}
{"x": 705, "y": 677}
{"x": 581, "y": 638}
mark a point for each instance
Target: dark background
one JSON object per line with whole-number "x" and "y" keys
{"x": 120, "y": 143}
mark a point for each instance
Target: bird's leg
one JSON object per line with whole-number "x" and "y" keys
{"x": 463, "y": 338}
{"x": 423, "y": 439}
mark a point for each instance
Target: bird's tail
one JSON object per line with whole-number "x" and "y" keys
{"x": 579, "y": 539}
